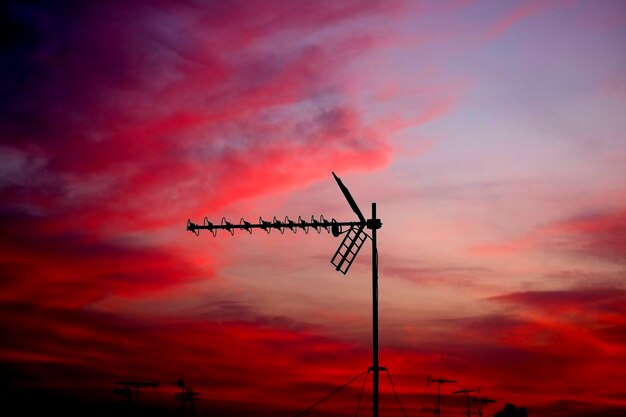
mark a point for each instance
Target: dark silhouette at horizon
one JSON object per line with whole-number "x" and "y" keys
{"x": 186, "y": 395}
{"x": 511, "y": 410}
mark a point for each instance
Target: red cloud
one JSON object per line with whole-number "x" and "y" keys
{"x": 183, "y": 126}
{"x": 565, "y": 301}
{"x": 119, "y": 126}
{"x": 130, "y": 119}
{"x": 235, "y": 364}
{"x": 602, "y": 235}
{"x": 73, "y": 269}
{"x": 242, "y": 366}
{"x": 598, "y": 235}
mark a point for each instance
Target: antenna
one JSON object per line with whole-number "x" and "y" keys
{"x": 467, "y": 393}
{"x": 180, "y": 383}
{"x": 437, "y": 410}
{"x": 342, "y": 259}
{"x": 186, "y": 395}
{"x": 126, "y": 391}
{"x": 480, "y": 403}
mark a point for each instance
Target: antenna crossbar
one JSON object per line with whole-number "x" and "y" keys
{"x": 330, "y": 226}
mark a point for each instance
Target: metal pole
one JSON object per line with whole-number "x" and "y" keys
{"x": 439, "y": 398}
{"x": 374, "y": 312}
{"x": 182, "y": 401}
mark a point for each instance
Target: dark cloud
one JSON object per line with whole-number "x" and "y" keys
{"x": 79, "y": 353}
{"x": 588, "y": 300}
{"x": 598, "y": 235}
{"x": 576, "y": 408}
{"x": 602, "y": 235}
{"x": 124, "y": 107}
{"x": 75, "y": 268}
{"x": 466, "y": 276}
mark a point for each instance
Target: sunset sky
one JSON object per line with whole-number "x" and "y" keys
{"x": 491, "y": 135}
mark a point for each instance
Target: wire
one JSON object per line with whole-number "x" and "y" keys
{"x": 395, "y": 393}
{"x": 335, "y": 391}
{"x": 358, "y": 405}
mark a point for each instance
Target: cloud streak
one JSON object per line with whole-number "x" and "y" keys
{"x": 597, "y": 235}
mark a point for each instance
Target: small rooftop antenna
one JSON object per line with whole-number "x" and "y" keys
{"x": 437, "y": 411}
{"x": 480, "y": 403}
{"x": 125, "y": 392}
{"x": 187, "y": 395}
{"x": 342, "y": 259}
{"x": 180, "y": 383}
{"x": 467, "y": 392}
{"x": 137, "y": 385}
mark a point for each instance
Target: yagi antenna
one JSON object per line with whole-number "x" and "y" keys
{"x": 125, "y": 392}
{"x": 341, "y": 260}
{"x": 480, "y": 403}
{"x": 429, "y": 379}
{"x": 180, "y": 383}
{"x": 467, "y": 393}
{"x": 187, "y": 395}
{"x": 128, "y": 385}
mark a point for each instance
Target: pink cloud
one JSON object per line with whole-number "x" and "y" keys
{"x": 597, "y": 235}
{"x": 524, "y": 11}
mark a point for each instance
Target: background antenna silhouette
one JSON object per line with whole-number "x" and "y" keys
{"x": 480, "y": 403}
{"x": 342, "y": 259}
{"x": 187, "y": 395}
{"x": 125, "y": 392}
{"x": 467, "y": 393}
{"x": 128, "y": 385}
{"x": 437, "y": 410}
{"x": 180, "y": 383}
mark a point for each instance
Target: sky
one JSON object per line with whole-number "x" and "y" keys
{"x": 490, "y": 134}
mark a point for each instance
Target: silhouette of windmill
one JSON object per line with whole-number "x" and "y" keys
{"x": 467, "y": 392}
{"x": 480, "y": 403}
{"x": 355, "y": 237}
{"x": 437, "y": 410}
